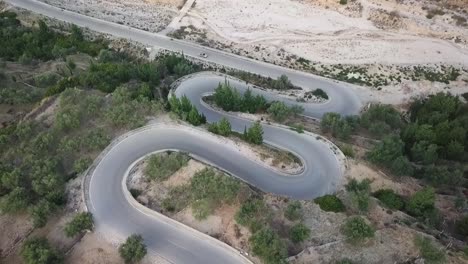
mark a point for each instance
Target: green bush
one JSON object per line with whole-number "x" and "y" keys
{"x": 461, "y": 226}
{"x": 320, "y": 93}
{"x": 360, "y": 201}
{"x": 356, "y": 229}
{"x": 38, "y": 251}
{"x": 299, "y": 233}
{"x": 268, "y": 246}
{"x": 80, "y": 223}
{"x": 339, "y": 127}
{"x": 421, "y": 203}
{"x": 347, "y": 150}
{"x": 428, "y": 251}
{"x": 186, "y": 111}
{"x": 254, "y": 134}
{"x": 358, "y": 186}
{"x": 223, "y": 127}
{"x": 209, "y": 190}
{"x": 343, "y": 2}
{"x": 162, "y": 165}
{"x": 381, "y": 119}
{"x": 133, "y": 250}
{"x": 293, "y": 211}
{"x": 41, "y": 211}
{"x": 389, "y": 153}
{"x": 330, "y": 203}
{"x": 390, "y": 199}
{"x": 252, "y": 214}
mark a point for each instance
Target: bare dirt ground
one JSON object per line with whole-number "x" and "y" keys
{"x": 363, "y": 31}
{"x": 93, "y": 249}
{"x": 151, "y": 15}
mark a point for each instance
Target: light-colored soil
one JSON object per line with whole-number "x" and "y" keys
{"x": 151, "y": 15}
{"x": 13, "y": 229}
{"x": 364, "y": 31}
{"x": 93, "y": 249}
{"x": 359, "y": 170}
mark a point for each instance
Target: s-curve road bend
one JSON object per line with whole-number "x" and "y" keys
{"x": 117, "y": 213}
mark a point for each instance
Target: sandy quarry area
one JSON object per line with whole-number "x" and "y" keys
{"x": 363, "y": 31}
{"x": 360, "y": 32}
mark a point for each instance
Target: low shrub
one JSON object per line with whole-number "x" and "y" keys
{"x": 356, "y": 229}
{"x": 330, "y": 203}
{"x": 390, "y": 199}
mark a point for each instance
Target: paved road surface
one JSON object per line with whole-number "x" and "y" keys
{"x": 115, "y": 216}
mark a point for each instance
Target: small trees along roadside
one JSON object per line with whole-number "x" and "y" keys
{"x": 254, "y": 134}
{"x": 81, "y": 222}
{"x": 133, "y": 250}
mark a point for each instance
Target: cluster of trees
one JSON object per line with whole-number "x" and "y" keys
{"x": 229, "y": 99}
{"x": 114, "y": 69}
{"x": 206, "y": 191}
{"x": 41, "y": 43}
{"x": 38, "y": 251}
{"x": 430, "y": 144}
{"x": 34, "y": 172}
{"x": 162, "y": 165}
{"x": 279, "y": 111}
{"x": 378, "y": 120}
{"x": 186, "y": 111}
{"x": 338, "y": 126}
{"x": 222, "y": 127}
{"x": 281, "y": 83}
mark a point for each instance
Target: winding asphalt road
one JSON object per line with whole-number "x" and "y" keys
{"x": 116, "y": 214}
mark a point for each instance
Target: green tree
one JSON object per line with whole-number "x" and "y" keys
{"x": 175, "y": 105}
{"x": 16, "y": 200}
{"x": 356, "y": 229}
{"x": 194, "y": 117}
{"x": 224, "y": 127}
{"x": 133, "y": 250}
{"x": 268, "y": 246}
{"x": 254, "y": 134}
{"x": 338, "y": 126}
{"x": 299, "y": 233}
{"x": 421, "y": 202}
{"x": 41, "y": 211}
{"x": 279, "y": 111}
{"x": 424, "y": 152}
{"x": 38, "y": 251}
{"x": 81, "y": 222}
{"x": 389, "y": 153}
